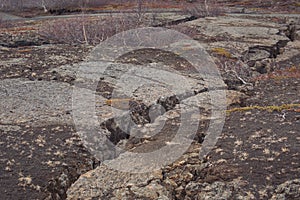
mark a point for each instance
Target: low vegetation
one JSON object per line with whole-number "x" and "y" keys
{"x": 292, "y": 72}
{"x": 273, "y": 108}
{"x": 222, "y": 52}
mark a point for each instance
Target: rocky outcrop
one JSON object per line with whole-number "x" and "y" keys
{"x": 113, "y": 184}
{"x": 252, "y": 43}
{"x": 149, "y": 115}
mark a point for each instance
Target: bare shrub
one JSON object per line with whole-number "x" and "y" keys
{"x": 93, "y": 31}
{"x": 204, "y": 8}
{"x": 233, "y": 66}
{"x": 85, "y": 30}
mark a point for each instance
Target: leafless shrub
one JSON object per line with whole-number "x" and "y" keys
{"x": 240, "y": 69}
{"x": 93, "y": 31}
{"x": 84, "y": 30}
{"x": 204, "y": 8}
{"x": 235, "y": 67}
{"x": 143, "y": 13}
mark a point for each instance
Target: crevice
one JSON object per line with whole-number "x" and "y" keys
{"x": 273, "y": 51}
{"x": 140, "y": 114}
{"x": 258, "y": 57}
{"x": 291, "y": 31}
{"x": 176, "y": 22}
{"x": 23, "y": 43}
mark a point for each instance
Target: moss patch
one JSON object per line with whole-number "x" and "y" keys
{"x": 222, "y": 52}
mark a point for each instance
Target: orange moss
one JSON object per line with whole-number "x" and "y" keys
{"x": 24, "y": 50}
{"x": 222, "y": 52}
{"x": 122, "y": 104}
{"x": 114, "y": 101}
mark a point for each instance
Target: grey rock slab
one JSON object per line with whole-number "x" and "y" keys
{"x": 216, "y": 99}
{"x": 297, "y": 35}
{"x": 140, "y": 83}
{"x": 291, "y": 50}
{"x": 104, "y": 182}
{"x": 239, "y": 29}
{"x": 34, "y": 102}
{"x": 146, "y": 83}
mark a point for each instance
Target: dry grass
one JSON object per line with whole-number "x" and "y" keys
{"x": 280, "y": 108}
{"x": 222, "y": 52}
{"x": 293, "y": 72}
{"x": 83, "y": 30}
{"x": 24, "y": 50}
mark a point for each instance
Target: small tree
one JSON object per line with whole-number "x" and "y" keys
{"x": 206, "y": 7}
{"x": 44, "y": 6}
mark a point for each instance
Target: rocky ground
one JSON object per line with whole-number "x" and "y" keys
{"x": 44, "y": 153}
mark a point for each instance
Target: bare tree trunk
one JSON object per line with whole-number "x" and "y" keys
{"x": 84, "y": 34}
{"x": 140, "y": 7}
{"x": 83, "y": 26}
{"x": 206, "y": 8}
{"x": 44, "y": 6}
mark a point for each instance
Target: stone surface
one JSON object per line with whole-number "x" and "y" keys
{"x": 223, "y": 174}
{"x": 118, "y": 185}
{"x": 34, "y": 102}
{"x": 153, "y": 111}
{"x": 297, "y": 35}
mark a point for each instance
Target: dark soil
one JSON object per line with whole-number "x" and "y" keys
{"x": 40, "y": 162}
{"x": 263, "y": 146}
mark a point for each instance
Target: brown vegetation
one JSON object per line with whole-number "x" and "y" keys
{"x": 293, "y": 72}
{"x": 86, "y": 30}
